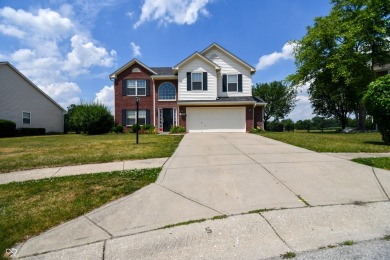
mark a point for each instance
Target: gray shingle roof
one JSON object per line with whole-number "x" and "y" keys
{"x": 163, "y": 71}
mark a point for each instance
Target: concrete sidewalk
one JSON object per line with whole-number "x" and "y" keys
{"x": 316, "y": 200}
{"x": 36, "y": 174}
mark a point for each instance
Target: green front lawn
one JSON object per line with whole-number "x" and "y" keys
{"x": 383, "y": 162}
{"x": 31, "y": 207}
{"x": 333, "y": 142}
{"x": 21, "y": 153}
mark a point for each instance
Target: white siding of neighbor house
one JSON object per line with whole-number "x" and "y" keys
{"x": 17, "y": 95}
{"x": 197, "y": 65}
{"x": 230, "y": 66}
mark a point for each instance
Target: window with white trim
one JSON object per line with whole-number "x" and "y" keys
{"x": 26, "y": 117}
{"x": 232, "y": 82}
{"x": 196, "y": 81}
{"x": 136, "y": 87}
{"x": 131, "y": 117}
{"x": 167, "y": 91}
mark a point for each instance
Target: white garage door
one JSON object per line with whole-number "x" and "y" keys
{"x": 216, "y": 119}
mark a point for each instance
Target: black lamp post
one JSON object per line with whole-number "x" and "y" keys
{"x": 136, "y": 101}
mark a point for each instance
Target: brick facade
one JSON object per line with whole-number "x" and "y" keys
{"x": 123, "y": 102}
{"x": 259, "y": 117}
{"x": 163, "y": 104}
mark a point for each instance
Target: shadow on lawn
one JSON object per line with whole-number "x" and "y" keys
{"x": 376, "y": 143}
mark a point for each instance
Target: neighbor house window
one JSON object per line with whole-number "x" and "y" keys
{"x": 26, "y": 116}
{"x": 167, "y": 91}
{"x": 136, "y": 87}
{"x": 196, "y": 81}
{"x": 232, "y": 83}
{"x": 131, "y": 117}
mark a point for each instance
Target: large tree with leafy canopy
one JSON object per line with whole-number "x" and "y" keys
{"x": 280, "y": 99}
{"x": 337, "y": 55}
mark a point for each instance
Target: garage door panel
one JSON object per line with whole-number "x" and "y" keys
{"x": 227, "y": 119}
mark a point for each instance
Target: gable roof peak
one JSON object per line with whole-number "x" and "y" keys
{"x": 127, "y": 65}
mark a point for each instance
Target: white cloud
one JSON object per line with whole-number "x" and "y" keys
{"x": 45, "y": 23}
{"x": 64, "y": 93}
{"x": 268, "y": 60}
{"x": 136, "y": 49}
{"x": 85, "y": 54}
{"x": 56, "y": 51}
{"x": 11, "y": 31}
{"x": 106, "y": 97}
{"x": 172, "y": 11}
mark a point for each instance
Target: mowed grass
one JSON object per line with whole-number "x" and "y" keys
{"x": 29, "y": 208}
{"x": 333, "y": 142}
{"x": 21, "y": 153}
{"x": 383, "y": 162}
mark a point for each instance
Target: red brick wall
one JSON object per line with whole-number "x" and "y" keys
{"x": 128, "y": 102}
{"x": 259, "y": 117}
{"x": 249, "y": 118}
{"x": 183, "y": 116}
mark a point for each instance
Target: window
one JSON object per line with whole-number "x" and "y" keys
{"x": 232, "y": 83}
{"x": 136, "y": 87}
{"x": 167, "y": 91}
{"x": 26, "y": 116}
{"x": 196, "y": 81}
{"x": 131, "y": 117}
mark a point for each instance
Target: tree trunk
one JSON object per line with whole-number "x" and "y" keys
{"x": 361, "y": 122}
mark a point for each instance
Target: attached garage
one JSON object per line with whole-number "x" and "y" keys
{"x": 216, "y": 119}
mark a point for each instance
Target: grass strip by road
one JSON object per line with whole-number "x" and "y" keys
{"x": 333, "y": 142}
{"x": 383, "y": 162}
{"x": 30, "y": 152}
{"x": 31, "y": 207}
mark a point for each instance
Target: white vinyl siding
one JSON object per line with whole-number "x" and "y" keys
{"x": 18, "y": 96}
{"x": 230, "y": 66}
{"x": 216, "y": 119}
{"x": 197, "y": 65}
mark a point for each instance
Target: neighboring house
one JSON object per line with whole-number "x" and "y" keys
{"x": 209, "y": 91}
{"x": 25, "y": 104}
{"x": 382, "y": 69}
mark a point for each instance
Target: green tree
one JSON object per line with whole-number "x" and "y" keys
{"x": 280, "y": 99}
{"x": 377, "y": 101}
{"x": 337, "y": 55}
{"x": 91, "y": 118}
{"x": 288, "y": 125}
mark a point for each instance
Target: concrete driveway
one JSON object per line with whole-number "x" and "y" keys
{"x": 216, "y": 174}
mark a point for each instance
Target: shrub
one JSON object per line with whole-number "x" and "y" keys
{"x": 118, "y": 129}
{"x": 177, "y": 129}
{"x": 256, "y": 130}
{"x": 7, "y": 128}
{"x": 377, "y": 102}
{"x": 92, "y": 118}
{"x": 135, "y": 127}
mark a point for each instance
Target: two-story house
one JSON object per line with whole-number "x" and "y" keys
{"x": 209, "y": 91}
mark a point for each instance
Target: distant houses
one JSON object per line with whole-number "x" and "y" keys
{"x": 22, "y": 102}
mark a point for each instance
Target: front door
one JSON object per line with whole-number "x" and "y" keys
{"x": 167, "y": 119}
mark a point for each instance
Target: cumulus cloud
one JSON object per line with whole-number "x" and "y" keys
{"x": 11, "y": 31}
{"x": 57, "y": 50}
{"x": 136, "y": 49}
{"x": 106, "y": 97}
{"x": 172, "y": 11}
{"x": 268, "y": 60}
{"x": 85, "y": 54}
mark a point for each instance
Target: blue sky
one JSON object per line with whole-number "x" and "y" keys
{"x": 68, "y": 48}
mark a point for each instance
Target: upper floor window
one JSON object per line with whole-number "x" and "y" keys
{"x": 26, "y": 116}
{"x": 167, "y": 91}
{"x": 196, "y": 81}
{"x": 136, "y": 87}
{"x": 232, "y": 83}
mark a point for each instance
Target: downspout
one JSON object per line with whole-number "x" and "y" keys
{"x": 253, "y": 116}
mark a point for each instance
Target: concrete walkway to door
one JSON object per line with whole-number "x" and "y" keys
{"x": 315, "y": 200}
